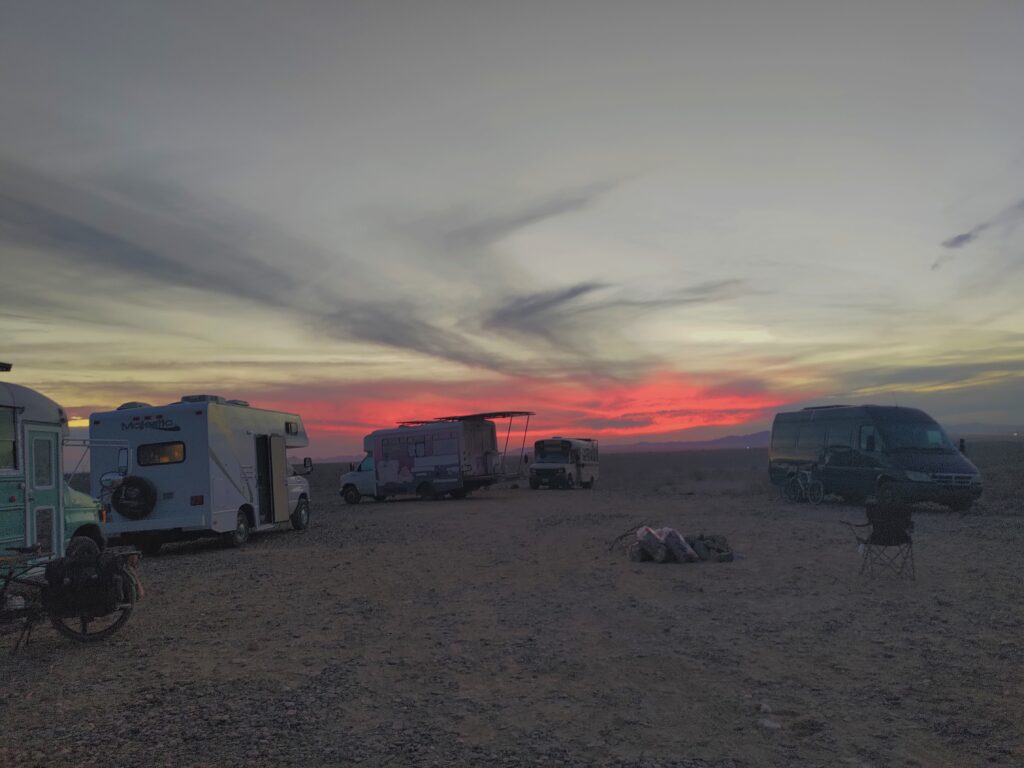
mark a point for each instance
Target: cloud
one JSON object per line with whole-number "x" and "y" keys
{"x": 1005, "y": 217}
{"x": 194, "y": 244}
{"x": 473, "y": 231}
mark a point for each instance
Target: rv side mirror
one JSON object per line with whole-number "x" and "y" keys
{"x": 871, "y": 443}
{"x": 307, "y": 464}
{"x": 110, "y": 480}
{"x": 122, "y": 461}
{"x": 963, "y": 446}
{"x": 351, "y": 466}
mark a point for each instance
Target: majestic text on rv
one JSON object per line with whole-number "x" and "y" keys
{"x": 202, "y": 466}
{"x": 37, "y": 506}
{"x": 564, "y": 462}
{"x": 893, "y": 453}
{"x": 453, "y": 455}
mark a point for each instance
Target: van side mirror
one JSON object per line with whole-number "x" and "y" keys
{"x": 963, "y": 446}
{"x": 871, "y": 443}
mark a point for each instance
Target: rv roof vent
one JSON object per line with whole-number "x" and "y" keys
{"x": 132, "y": 404}
{"x": 244, "y": 403}
{"x": 202, "y": 399}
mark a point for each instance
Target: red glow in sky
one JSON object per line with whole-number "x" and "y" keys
{"x": 659, "y": 407}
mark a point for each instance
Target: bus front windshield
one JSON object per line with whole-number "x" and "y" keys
{"x": 552, "y": 454}
{"x": 916, "y": 436}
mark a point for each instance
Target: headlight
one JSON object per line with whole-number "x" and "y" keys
{"x": 919, "y": 477}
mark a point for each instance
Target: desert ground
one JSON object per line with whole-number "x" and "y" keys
{"x": 501, "y": 631}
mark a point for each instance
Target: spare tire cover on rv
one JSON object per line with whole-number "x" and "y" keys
{"x": 134, "y": 498}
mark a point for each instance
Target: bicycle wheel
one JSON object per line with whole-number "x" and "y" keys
{"x": 815, "y": 491}
{"x": 89, "y": 629}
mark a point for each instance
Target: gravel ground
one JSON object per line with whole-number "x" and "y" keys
{"x": 500, "y": 631}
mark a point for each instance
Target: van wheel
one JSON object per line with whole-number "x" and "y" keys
{"x": 459, "y": 493}
{"x": 238, "y": 537}
{"x": 351, "y": 495}
{"x": 300, "y": 517}
{"x": 569, "y": 482}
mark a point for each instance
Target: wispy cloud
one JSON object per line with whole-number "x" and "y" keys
{"x": 1006, "y": 217}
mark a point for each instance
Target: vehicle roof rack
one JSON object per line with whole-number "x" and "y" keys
{"x": 469, "y": 417}
{"x": 132, "y": 404}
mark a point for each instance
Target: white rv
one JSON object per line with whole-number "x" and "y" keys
{"x": 454, "y": 455}
{"x": 201, "y": 466}
{"x": 564, "y": 462}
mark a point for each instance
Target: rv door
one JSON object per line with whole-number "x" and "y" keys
{"x": 44, "y": 523}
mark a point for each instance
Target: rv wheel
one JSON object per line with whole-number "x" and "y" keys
{"x": 569, "y": 482}
{"x": 240, "y": 535}
{"x": 351, "y": 495}
{"x": 589, "y": 484}
{"x": 300, "y": 517}
{"x": 150, "y": 545}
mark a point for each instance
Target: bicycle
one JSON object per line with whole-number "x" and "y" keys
{"x": 86, "y": 596}
{"x": 804, "y": 485}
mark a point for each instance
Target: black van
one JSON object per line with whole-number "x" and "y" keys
{"x": 894, "y": 454}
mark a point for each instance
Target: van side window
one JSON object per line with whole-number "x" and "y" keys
{"x": 8, "y": 443}
{"x": 840, "y": 434}
{"x": 366, "y": 465}
{"x": 811, "y": 436}
{"x": 867, "y": 431}
{"x": 784, "y": 434}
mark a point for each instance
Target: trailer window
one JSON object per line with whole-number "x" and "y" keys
{"x": 160, "y": 453}
{"x": 8, "y": 444}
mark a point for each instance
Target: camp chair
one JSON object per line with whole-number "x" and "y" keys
{"x": 887, "y": 544}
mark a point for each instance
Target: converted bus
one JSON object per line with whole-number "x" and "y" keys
{"x": 564, "y": 462}
{"x": 37, "y": 506}
{"x": 892, "y": 453}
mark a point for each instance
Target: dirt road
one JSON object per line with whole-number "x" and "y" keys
{"x": 500, "y": 630}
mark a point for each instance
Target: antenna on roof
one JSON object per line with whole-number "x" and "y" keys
{"x": 4, "y": 367}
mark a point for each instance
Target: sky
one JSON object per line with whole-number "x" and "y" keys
{"x": 642, "y": 221}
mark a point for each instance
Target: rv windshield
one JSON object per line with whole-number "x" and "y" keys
{"x": 552, "y": 454}
{"x": 916, "y": 436}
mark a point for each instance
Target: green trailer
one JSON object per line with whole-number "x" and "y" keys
{"x": 37, "y": 506}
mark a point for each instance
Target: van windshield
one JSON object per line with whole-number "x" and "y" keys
{"x": 916, "y": 436}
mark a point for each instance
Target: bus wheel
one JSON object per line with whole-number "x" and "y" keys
{"x": 351, "y": 495}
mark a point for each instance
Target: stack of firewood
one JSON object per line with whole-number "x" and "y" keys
{"x": 667, "y": 545}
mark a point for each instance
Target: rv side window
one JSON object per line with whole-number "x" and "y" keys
{"x": 8, "y": 444}
{"x": 291, "y": 427}
{"x": 811, "y": 436}
{"x": 868, "y": 434}
{"x": 784, "y": 435}
{"x": 160, "y": 453}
